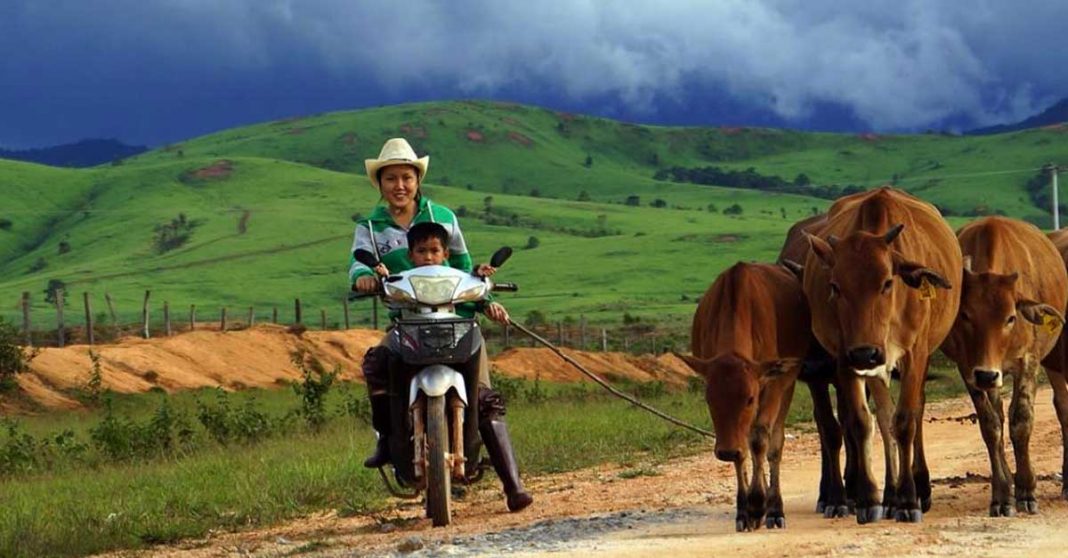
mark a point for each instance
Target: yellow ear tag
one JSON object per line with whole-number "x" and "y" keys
{"x": 1051, "y": 323}
{"x": 927, "y": 290}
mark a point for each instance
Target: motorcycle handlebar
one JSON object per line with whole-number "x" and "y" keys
{"x": 505, "y": 287}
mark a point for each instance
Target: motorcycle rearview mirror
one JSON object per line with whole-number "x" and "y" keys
{"x": 366, "y": 258}
{"x": 500, "y": 256}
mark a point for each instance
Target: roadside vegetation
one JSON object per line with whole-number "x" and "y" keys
{"x": 131, "y": 471}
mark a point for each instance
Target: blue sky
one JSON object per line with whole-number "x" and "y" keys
{"x": 158, "y": 71}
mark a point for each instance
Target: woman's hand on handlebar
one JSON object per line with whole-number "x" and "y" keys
{"x": 366, "y": 284}
{"x": 497, "y": 313}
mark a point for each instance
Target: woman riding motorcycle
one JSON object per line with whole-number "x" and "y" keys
{"x": 397, "y": 174}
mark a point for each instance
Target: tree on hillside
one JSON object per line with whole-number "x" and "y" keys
{"x": 633, "y": 200}
{"x": 589, "y": 161}
{"x": 487, "y": 203}
{"x": 658, "y": 203}
{"x": 50, "y": 291}
{"x": 733, "y": 210}
{"x": 533, "y": 243}
{"x": 584, "y": 196}
{"x": 802, "y": 180}
{"x": 5, "y": 224}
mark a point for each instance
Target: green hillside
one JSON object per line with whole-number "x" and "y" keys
{"x": 267, "y": 209}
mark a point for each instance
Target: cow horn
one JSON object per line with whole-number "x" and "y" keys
{"x": 893, "y": 232}
{"x": 793, "y": 267}
{"x": 967, "y": 263}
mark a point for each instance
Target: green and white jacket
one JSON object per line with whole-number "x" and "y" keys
{"x": 383, "y": 236}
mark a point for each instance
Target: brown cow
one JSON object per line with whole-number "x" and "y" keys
{"x": 1012, "y": 272}
{"x": 1056, "y": 363}
{"x": 874, "y": 323}
{"x": 750, "y": 331}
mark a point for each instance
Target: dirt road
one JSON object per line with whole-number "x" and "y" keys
{"x": 685, "y": 508}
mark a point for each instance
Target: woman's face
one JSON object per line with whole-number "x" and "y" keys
{"x": 398, "y": 185}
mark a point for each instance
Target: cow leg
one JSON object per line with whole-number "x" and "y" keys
{"x": 921, "y": 475}
{"x": 858, "y": 428}
{"x": 850, "y": 472}
{"x": 776, "y": 515}
{"x": 1021, "y": 424}
{"x": 913, "y": 368}
{"x": 1060, "y": 402}
{"x": 990, "y": 426}
{"x": 831, "y": 501}
{"x": 741, "y": 519}
{"x": 884, "y": 409}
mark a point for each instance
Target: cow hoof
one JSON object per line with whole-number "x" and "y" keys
{"x": 925, "y": 504}
{"x": 836, "y": 511}
{"x": 740, "y": 525}
{"x": 1029, "y": 506}
{"x": 909, "y": 516}
{"x": 851, "y": 506}
{"x": 820, "y": 506}
{"x": 1064, "y": 493}
{"x": 778, "y": 522}
{"x": 890, "y": 511}
{"x": 1001, "y": 510}
{"x": 869, "y": 515}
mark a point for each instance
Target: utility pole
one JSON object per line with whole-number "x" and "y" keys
{"x": 1053, "y": 170}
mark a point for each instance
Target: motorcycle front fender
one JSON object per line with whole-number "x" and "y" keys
{"x": 435, "y": 380}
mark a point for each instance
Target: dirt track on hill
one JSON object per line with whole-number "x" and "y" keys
{"x": 685, "y": 508}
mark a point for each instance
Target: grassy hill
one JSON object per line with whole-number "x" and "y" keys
{"x": 267, "y": 209}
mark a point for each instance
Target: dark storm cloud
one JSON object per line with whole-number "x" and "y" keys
{"x": 154, "y": 71}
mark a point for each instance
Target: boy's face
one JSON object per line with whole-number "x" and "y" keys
{"x": 428, "y": 252}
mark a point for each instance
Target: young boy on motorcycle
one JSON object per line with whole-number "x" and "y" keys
{"x": 428, "y": 245}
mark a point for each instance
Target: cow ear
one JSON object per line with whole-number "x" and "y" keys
{"x": 793, "y": 267}
{"x": 784, "y": 368}
{"x": 892, "y": 234}
{"x": 1040, "y": 314}
{"x": 697, "y": 364}
{"x": 822, "y": 249}
{"x": 915, "y": 274}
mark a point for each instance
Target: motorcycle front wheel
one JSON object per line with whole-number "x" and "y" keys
{"x": 438, "y": 474}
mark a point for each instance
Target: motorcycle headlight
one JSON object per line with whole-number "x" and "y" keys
{"x": 472, "y": 294}
{"x": 434, "y": 290}
{"x": 398, "y": 294}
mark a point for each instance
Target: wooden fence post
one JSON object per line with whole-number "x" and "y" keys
{"x": 166, "y": 318}
{"x": 374, "y": 312}
{"x": 560, "y": 333}
{"x": 251, "y": 316}
{"x": 274, "y": 315}
{"x": 26, "y": 326}
{"x": 192, "y": 317}
{"x": 296, "y": 311}
{"x": 322, "y": 316}
{"x": 582, "y": 332}
{"x": 604, "y": 340}
{"x": 222, "y": 320}
{"x": 507, "y": 336}
{"x": 626, "y": 344}
{"x": 88, "y": 318}
{"x": 59, "y": 318}
{"x": 144, "y": 316}
{"x": 345, "y": 309}
{"x": 111, "y": 309}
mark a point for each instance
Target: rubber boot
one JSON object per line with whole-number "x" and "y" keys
{"x": 499, "y": 447}
{"x": 380, "y": 422}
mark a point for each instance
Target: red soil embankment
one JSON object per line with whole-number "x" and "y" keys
{"x": 260, "y": 357}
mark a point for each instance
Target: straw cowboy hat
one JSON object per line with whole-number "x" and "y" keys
{"x": 396, "y": 151}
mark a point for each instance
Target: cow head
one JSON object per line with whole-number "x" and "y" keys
{"x": 985, "y": 333}
{"x": 869, "y": 281}
{"x": 732, "y": 391}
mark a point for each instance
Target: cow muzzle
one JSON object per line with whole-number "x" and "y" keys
{"x": 732, "y": 456}
{"x": 865, "y": 357}
{"x": 987, "y": 379}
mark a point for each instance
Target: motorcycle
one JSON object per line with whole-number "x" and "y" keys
{"x": 433, "y": 378}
